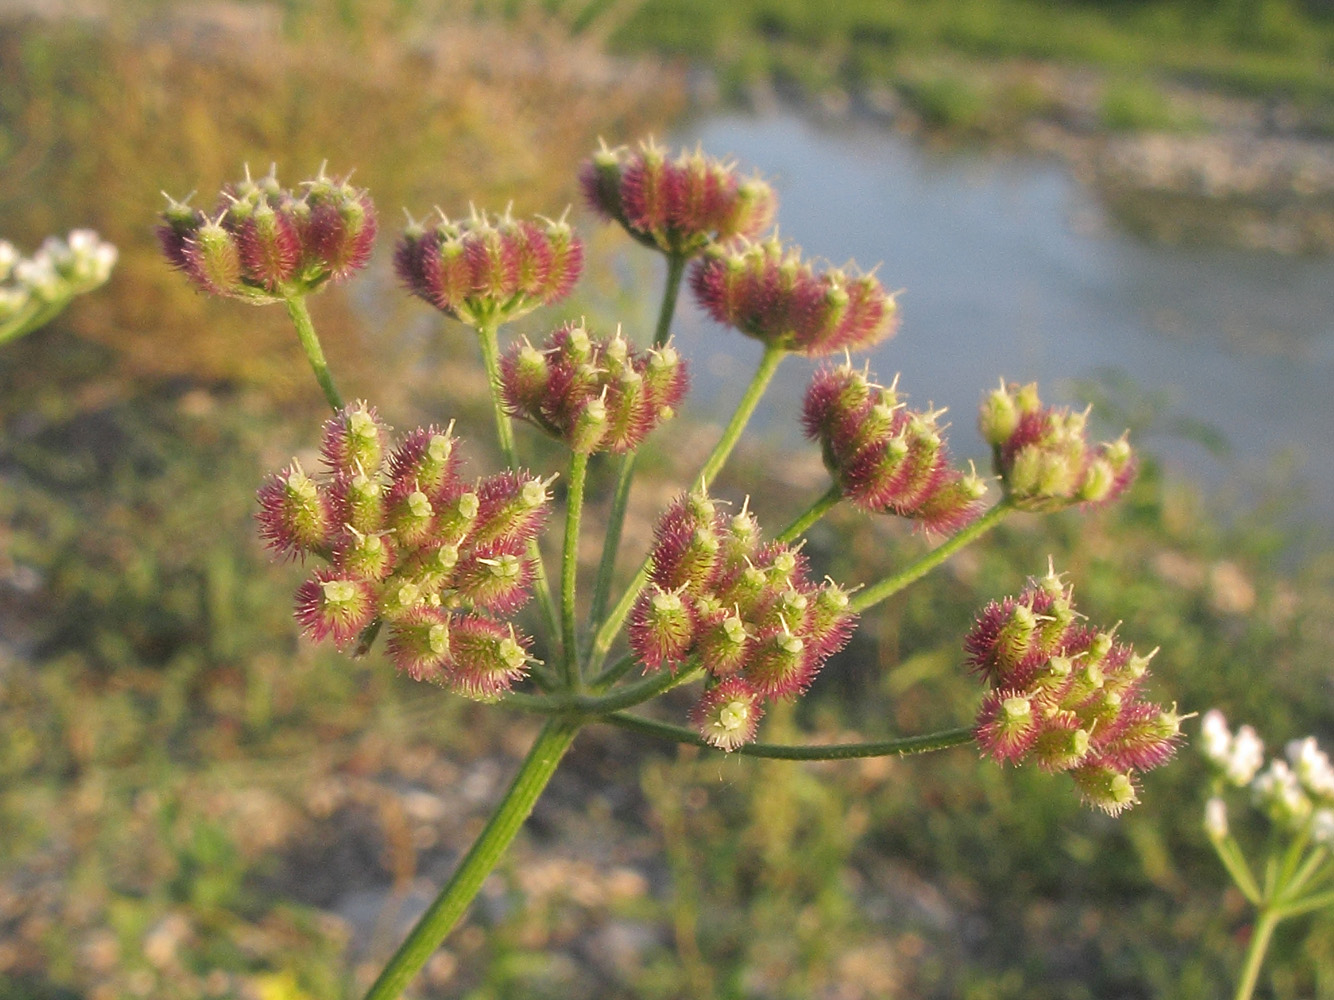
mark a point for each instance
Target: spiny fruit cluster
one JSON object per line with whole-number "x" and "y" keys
{"x": 264, "y": 243}
{"x": 480, "y": 271}
{"x": 593, "y": 394}
{"x": 747, "y": 611}
{"x": 408, "y": 543}
{"x": 1067, "y": 696}
{"x": 885, "y": 457}
{"x": 1042, "y": 456}
{"x": 678, "y": 205}
{"x": 768, "y": 292}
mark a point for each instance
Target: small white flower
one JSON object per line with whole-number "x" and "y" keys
{"x": 12, "y": 301}
{"x": 39, "y": 276}
{"x": 1215, "y": 737}
{"x": 1312, "y": 767}
{"x": 1279, "y": 793}
{"x": 1246, "y": 757}
{"x": 8, "y": 258}
{"x": 1322, "y": 826}
{"x": 1215, "y": 818}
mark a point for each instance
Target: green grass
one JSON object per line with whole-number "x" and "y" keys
{"x": 1268, "y": 46}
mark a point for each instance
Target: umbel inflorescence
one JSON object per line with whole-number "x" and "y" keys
{"x": 395, "y": 540}
{"x": 33, "y": 290}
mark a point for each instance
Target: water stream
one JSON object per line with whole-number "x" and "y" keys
{"x": 1008, "y": 266}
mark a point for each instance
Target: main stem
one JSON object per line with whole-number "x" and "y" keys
{"x": 574, "y": 507}
{"x": 482, "y": 857}
{"x": 891, "y": 585}
{"x": 489, "y": 342}
{"x": 310, "y": 343}
{"x": 676, "y": 266}
{"x": 1255, "y": 954}
{"x": 769, "y": 363}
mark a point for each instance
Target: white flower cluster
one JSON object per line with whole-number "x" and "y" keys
{"x": 1295, "y": 793}
{"x": 33, "y": 289}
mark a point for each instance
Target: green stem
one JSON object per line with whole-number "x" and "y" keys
{"x": 1317, "y": 902}
{"x": 1229, "y": 852}
{"x": 620, "y": 502}
{"x": 782, "y": 751}
{"x": 676, "y": 266}
{"x": 585, "y": 707}
{"x": 817, "y": 510}
{"x": 613, "y": 673}
{"x": 773, "y": 356}
{"x": 891, "y": 585}
{"x": 486, "y": 851}
{"x": 769, "y": 362}
{"x": 574, "y": 507}
{"x": 1255, "y": 954}
{"x": 489, "y": 342}
{"x": 310, "y": 343}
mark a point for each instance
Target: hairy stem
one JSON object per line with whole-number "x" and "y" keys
{"x": 676, "y": 265}
{"x": 891, "y": 585}
{"x": 781, "y": 751}
{"x": 828, "y": 500}
{"x": 310, "y": 343}
{"x": 773, "y": 356}
{"x": 486, "y": 851}
{"x": 489, "y": 342}
{"x": 574, "y": 507}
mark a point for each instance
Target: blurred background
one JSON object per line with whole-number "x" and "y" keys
{"x": 1130, "y": 200}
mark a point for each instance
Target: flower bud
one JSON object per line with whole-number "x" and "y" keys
{"x": 780, "y": 666}
{"x": 428, "y": 458}
{"x": 494, "y": 577}
{"x": 511, "y": 505}
{"x": 728, "y": 714}
{"x": 1006, "y": 728}
{"x": 1215, "y": 819}
{"x": 294, "y": 515}
{"x": 488, "y": 657}
{"x": 335, "y": 605}
{"x": 1105, "y": 788}
{"x": 662, "y": 628}
{"x": 722, "y": 643}
{"x": 419, "y": 644}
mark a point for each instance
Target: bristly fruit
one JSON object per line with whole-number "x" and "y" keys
{"x": 1067, "y": 696}
{"x": 677, "y": 205}
{"x": 767, "y": 291}
{"x": 885, "y": 457}
{"x": 481, "y": 270}
{"x": 265, "y": 243}
{"x": 593, "y": 394}
{"x": 748, "y": 612}
{"x": 409, "y": 544}
{"x": 1042, "y": 456}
